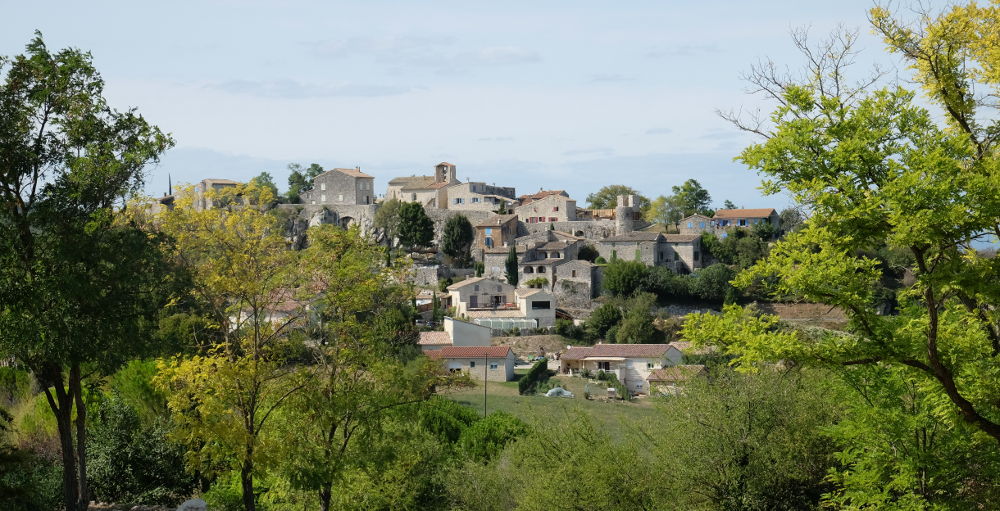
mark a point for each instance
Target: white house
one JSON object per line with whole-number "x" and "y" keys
{"x": 492, "y": 363}
{"x": 496, "y": 304}
{"x": 631, "y": 363}
{"x": 456, "y": 333}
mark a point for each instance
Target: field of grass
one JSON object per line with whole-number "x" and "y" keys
{"x": 611, "y": 416}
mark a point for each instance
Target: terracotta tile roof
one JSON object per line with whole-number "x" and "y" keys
{"x": 352, "y": 172}
{"x": 474, "y": 351}
{"x": 676, "y": 373}
{"x": 680, "y": 238}
{"x": 744, "y": 213}
{"x": 541, "y": 194}
{"x": 434, "y": 338}
{"x": 496, "y": 220}
{"x": 432, "y": 354}
{"x": 618, "y": 350}
{"x": 465, "y": 282}
{"x": 635, "y": 236}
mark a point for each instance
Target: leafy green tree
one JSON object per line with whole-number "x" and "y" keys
{"x": 511, "y": 267}
{"x": 222, "y": 400}
{"x": 416, "y": 229}
{"x": 265, "y": 180}
{"x": 747, "y": 442}
{"x": 602, "y": 319}
{"x": 874, "y": 168}
{"x": 314, "y": 170}
{"x": 607, "y": 197}
{"x": 791, "y": 219}
{"x": 296, "y": 183}
{"x": 587, "y": 252}
{"x": 387, "y": 222}
{"x": 729, "y": 205}
{"x": 623, "y": 278}
{"x": 712, "y": 283}
{"x": 664, "y": 210}
{"x": 691, "y": 198}
{"x": 80, "y": 284}
{"x": 456, "y": 241}
{"x": 486, "y": 437}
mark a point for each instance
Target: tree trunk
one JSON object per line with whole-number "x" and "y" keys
{"x": 325, "y": 494}
{"x": 246, "y": 478}
{"x": 62, "y": 408}
{"x": 76, "y": 390}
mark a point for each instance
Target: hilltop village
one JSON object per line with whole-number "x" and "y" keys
{"x": 530, "y": 264}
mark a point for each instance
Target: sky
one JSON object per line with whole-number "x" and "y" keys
{"x": 569, "y": 95}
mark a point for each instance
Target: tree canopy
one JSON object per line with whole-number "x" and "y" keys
{"x": 607, "y": 197}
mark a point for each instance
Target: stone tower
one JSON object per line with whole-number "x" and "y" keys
{"x": 625, "y": 214}
{"x": 445, "y": 172}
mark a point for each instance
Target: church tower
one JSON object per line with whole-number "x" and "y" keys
{"x": 445, "y": 172}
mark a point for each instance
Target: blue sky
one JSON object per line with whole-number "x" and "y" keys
{"x": 561, "y": 94}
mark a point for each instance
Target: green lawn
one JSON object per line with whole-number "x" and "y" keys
{"x": 613, "y": 417}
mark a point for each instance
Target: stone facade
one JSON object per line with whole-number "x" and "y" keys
{"x": 206, "y": 188}
{"x": 495, "y": 232}
{"x": 726, "y": 218}
{"x": 478, "y": 196}
{"x": 341, "y": 187}
{"x": 679, "y": 252}
{"x": 695, "y": 224}
{"x": 551, "y": 208}
{"x": 573, "y": 284}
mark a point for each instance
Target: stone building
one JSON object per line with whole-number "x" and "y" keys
{"x": 679, "y": 252}
{"x": 695, "y": 224}
{"x": 554, "y": 207}
{"x": 206, "y": 188}
{"x": 498, "y": 305}
{"x": 341, "y": 187}
{"x": 496, "y": 232}
{"x": 473, "y": 196}
{"x": 575, "y": 284}
{"x": 427, "y": 190}
{"x": 726, "y": 218}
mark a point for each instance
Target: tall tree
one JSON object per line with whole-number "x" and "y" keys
{"x": 511, "y": 267}
{"x": 222, "y": 400}
{"x": 78, "y": 282}
{"x": 456, "y": 241}
{"x": 691, "y": 198}
{"x": 607, "y": 197}
{"x": 729, "y": 205}
{"x": 664, "y": 210}
{"x": 265, "y": 180}
{"x": 387, "y": 222}
{"x": 876, "y": 169}
{"x": 416, "y": 229}
{"x": 297, "y": 183}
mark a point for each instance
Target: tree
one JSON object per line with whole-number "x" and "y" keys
{"x": 416, "y": 229}
{"x": 223, "y": 399}
{"x": 729, "y": 205}
{"x": 607, "y": 197}
{"x": 587, "y": 252}
{"x": 876, "y": 169}
{"x": 623, "y": 278}
{"x": 664, "y": 210}
{"x": 712, "y": 283}
{"x": 456, "y": 242}
{"x": 80, "y": 284}
{"x": 265, "y": 180}
{"x": 791, "y": 219}
{"x": 511, "y": 267}
{"x": 297, "y": 183}
{"x": 314, "y": 170}
{"x": 354, "y": 380}
{"x": 387, "y": 222}
{"x": 602, "y": 319}
{"x": 691, "y": 198}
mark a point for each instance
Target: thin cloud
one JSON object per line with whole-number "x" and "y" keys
{"x": 683, "y": 50}
{"x": 291, "y": 89}
{"x": 659, "y": 131}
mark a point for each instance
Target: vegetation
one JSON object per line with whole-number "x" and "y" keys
{"x": 456, "y": 242}
{"x": 539, "y": 373}
{"x": 511, "y": 267}
{"x": 415, "y": 228}
{"x": 607, "y": 197}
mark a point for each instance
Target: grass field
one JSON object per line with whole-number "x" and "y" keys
{"x": 611, "y": 416}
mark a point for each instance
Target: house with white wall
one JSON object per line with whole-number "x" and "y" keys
{"x": 455, "y": 333}
{"x": 490, "y": 363}
{"x": 631, "y": 363}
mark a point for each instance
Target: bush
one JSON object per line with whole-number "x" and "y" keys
{"x": 489, "y": 435}
{"x": 538, "y": 373}
{"x": 444, "y": 283}
{"x": 602, "y": 319}
{"x": 623, "y": 278}
{"x": 445, "y": 418}
{"x": 600, "y": 260}
{"x": 712, "y": 283}
{"x": 570, "y": 330}
{"x": 587, "y": 252}
{"x": 537, "y": 282}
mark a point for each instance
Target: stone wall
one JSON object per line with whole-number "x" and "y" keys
{"x": 590, "y": 229}
{"x": 804, "y": 311}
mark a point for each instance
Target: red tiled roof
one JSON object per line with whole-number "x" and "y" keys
{"x": 434, "y": 338}
{"x": 617, "y": 350}
{"x": 474, "y": 351}
{"x": 744, "y": 213}
{"x": 497, "y": 220}
{"x": 541, "y": 194}
{"x": 353, "y": 172}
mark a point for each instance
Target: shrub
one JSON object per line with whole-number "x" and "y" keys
{"x": 537, "y": 282}
{"x": 445, "y": 418}
{"x": 538, "y": 373}
{"x": 570, "y": 330}
{"x": 600, "y": 260}
{"x": 489, "y": 435}
{"x": 623, "y": 278}
{"x": 602, "y": 319}
{"x": 444, "y": 283}
{"x": 588, "y": 253}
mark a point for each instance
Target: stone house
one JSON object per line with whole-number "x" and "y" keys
{"x": 680, "y": 252}
{"x": 341, "y": 187}
{"x": 496, "y": 232}
{"x": 542, "y": 257}
{"x": 631, "y": 363}
{"x": 490, "y": 363}
{"x": 575, "y": 284}
{"x": 496, "y": 304}
{"x": 429, "y": 191}
{"x": 481, "y": 292}
{"x": 207, "y": 188}
{"x": 695, "y": 224}
{"x": 473, "y": 196}
{"x": 726, "y": 218}
{"x": 554, "y": 207}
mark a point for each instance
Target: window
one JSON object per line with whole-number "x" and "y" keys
{"x": 413, "y": 196}
{"x": 604, "y": 366}
{"x": 573, "y": 273}
{"x": 499, "y": 289}
{"x": 494, "y": 366}
{"x": 459, "y": 200}
{"x": 322, "y": 198}
{"x": 690, "y": 225}
{"x": 701, "y": 224}
{"x": 472, "y": 363}
{"x": 743, "y": 222}
{"x": 697, "y": 254}
{"x": 475, "y": 199}
{"x": 553, "y": 219}
{"x": 489, "y": 231}
{"x": 476, "y": 288}
{"x": 541, "y": 305}
{"x": 649, "y": 365}
{"x": 340, "y": 197}
{"x": 541, "y": 269}
{"x": 322, "y": 187}
{"x": 555, "y": 208}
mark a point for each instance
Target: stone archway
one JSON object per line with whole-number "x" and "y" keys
{"x": 346, "y": 221}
